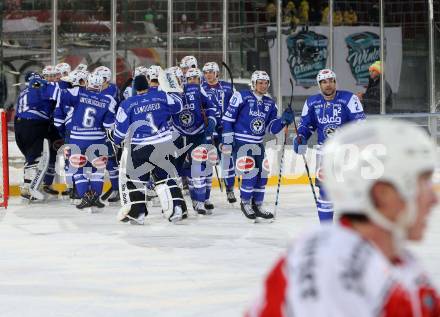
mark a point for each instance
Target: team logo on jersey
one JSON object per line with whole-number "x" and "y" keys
{"x": 245, "y": 163}
{"x": 258, "y": 125}
{"x": 199, "y": 154}
{"x": 78, "y": 160}
{"x": 100, "y": 162}
{"x": 186, "y": 118}
{"x": 329, "y": 130}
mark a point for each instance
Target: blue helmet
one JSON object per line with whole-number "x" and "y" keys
{"x": 32, "y": 75}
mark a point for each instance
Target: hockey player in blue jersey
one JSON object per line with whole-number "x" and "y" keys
{"x": 63, "y": 122}
{"x": 93, "y": 112}
{"x": 324, "y": 113}
{"x": 143, "y": 122}
{"x": 194, "y": 124}
{"x": 249, "y": 116}
{"x": 112, "y": 195}
{"x": 129, "y": 91}
{"x": 220, "y": 92}
{"x": 53, "y": 82}
{"x": 32, "y": 120}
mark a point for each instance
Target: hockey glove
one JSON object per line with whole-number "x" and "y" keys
{"x": 287, "y": 117}
{"x": 37, "y": 82}
{"x": 300, "y": 144}
{"x": 110, "y": 136}
{"x": 209, "y": 130}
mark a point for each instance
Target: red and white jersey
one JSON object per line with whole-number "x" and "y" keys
{"x": 333, "y": 271}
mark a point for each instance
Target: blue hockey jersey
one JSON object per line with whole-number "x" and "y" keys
{"x": 326, "y": 116}
{"x": 146, "y": 117}
{"x": 88, "y": 113}
{"x": 220, "y": 94}
{"x": 37, "y": 103}
{"x": 249, "y": 117}
{"x": 197, "y": 108}
{"x": 113, "y": 91}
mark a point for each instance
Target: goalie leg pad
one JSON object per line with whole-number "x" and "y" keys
{"x": 42, "y": 163}
{"x": 171, "y": 199}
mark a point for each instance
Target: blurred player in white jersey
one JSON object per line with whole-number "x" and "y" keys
{"x": 380, "y": 184}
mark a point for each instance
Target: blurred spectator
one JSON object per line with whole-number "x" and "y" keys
{"x": 150, "y": 28}
{"x": 271, "y": 11}
{"x": 315, "y": 14}
{"x": 350, "y": 17}
{"x": 371, "y": 98}
{"x": 184, "y": 25}
{"x": 303, "y": 12}
{"x": 13, "y": 5}
{"x": 337, "y": 18}
{"x": 325, "y": 15}
{"x": 290, "y": 15}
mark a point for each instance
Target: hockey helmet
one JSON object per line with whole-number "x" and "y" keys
{"x": 32, "y": 75}
{"x": 325, "y": 74}
{"x": 95, "y": 81}
{"x": 361, "y": 154}
{"x": 105, "y": 72}
{"x": 63, "y": 68}
{"x": 49, "y": 70}
{"x": 211, "y": 67}
{"x": 140, "y": 70}
{"x": 177, "y": 72}
{"x": 259, "y": 75}
{"x": 188, "y": 62}
{"x": 193, "y": 72}
{"x": 153, "y": 72}
{"x": 75, "y": 77}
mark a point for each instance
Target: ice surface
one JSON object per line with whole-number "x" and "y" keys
{"x": 57, "y": 261}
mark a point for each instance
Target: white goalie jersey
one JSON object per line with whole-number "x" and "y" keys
{"x": 334, "y": 272}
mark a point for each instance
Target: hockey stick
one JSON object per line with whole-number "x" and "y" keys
{"x": 286, "y": 130}
{"x": 233, "y": 88}
{"x": 303, "y": 156}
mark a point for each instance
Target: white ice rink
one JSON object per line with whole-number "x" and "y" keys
{"x": 57, "y": 261}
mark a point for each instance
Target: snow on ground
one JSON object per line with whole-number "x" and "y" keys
{"x": 57, "y": 261}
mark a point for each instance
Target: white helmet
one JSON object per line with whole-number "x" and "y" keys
{"x": 177, "y": 72}
{"x": 360, "y": 154}
{"x": 95, "y": 81}
{"x": 105, "y": 72}
{"x": 211, "y": 67}
{"x": 49, "y": 70}
{"x": 259, "y": 75}
{"x": 81, "y": 67}
{"x": 153, "y": 72}
{"x": 140, "y": 70}
{"x": 188, "y": 62}
{"x": 63, "y": 68}
{"x": 325, "y": 74}
{"x": 193, "y": 72}
{"x": 76, "y": 76}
